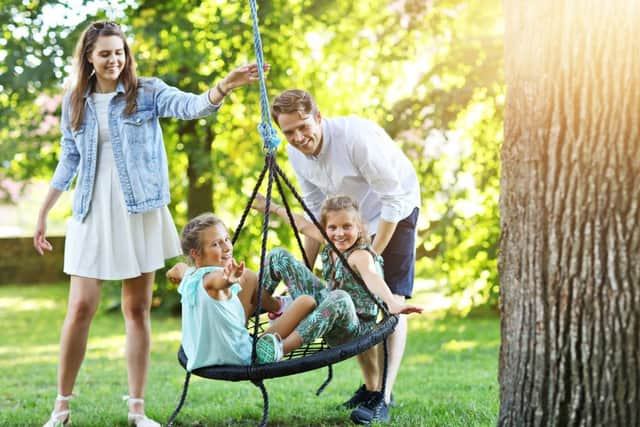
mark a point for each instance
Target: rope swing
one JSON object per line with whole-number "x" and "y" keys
{"x": 314, "y": 355}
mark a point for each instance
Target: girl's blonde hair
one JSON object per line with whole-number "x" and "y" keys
{"x": 190, "y": 238}
{"x": 85, "y": 74}
{"x": 345, "y": 203}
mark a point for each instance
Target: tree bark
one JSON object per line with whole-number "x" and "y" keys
{"x": 570, "y": 219}
{"x": 199, "y": 170}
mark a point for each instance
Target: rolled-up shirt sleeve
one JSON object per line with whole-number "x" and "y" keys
{"x": 69, "y": 155}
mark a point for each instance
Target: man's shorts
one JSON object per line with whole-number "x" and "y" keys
{"x": 400, "y": 256}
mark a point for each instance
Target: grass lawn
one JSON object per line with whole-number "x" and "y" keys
{"x": 448, "y": 377}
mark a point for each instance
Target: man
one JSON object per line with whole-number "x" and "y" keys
{"x": 356, "y": 157}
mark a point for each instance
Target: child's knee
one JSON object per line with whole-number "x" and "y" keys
{"x": 341, "y": 298}
{"x": 307, "y": 302}
{"x": 279, "y": 256}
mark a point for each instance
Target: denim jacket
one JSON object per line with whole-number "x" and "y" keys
{"x": 138, "y": 147}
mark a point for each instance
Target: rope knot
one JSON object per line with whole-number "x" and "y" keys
{"x": 269, "y": 136}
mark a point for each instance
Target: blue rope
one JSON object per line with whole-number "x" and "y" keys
{"x": 268, "y": 133}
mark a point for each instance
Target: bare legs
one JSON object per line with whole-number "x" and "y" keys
{"x": 136, "y": 309}
{"x": 372, "y": 361}
{"x": 286, "y": 324}
{"x": 396, "y": 345}
{"x": 84, "y": 296}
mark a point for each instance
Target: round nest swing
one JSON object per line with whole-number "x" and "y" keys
{"x": 314, "y": 355}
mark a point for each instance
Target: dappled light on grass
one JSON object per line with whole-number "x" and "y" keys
{"x": 455, "y": 345}
{"x": 17, "y": 304}
{"x": 419, "y": 359}
{"x": 168, "y": 337}
{"x": 11, "y": 357}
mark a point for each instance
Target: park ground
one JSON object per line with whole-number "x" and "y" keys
{"x": 449, "y": 374}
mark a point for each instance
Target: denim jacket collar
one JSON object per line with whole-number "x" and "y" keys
{"x": 119, "y": 89}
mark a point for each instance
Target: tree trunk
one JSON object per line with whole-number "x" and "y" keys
{"x": 199, "y": 170}
{"x": 570, "y": 217}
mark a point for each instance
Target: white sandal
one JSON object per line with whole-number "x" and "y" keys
{"x": 139, "y": 420}
{"x": 60, "y": 418}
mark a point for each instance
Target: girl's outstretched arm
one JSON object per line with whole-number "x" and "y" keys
{"x": 305, "y": 226}
{"x": 362, "y": 262}
{"x": 176, "y": 273}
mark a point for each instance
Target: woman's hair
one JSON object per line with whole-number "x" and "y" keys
{"x": 190, "y": 238}
{"x": 292, "y": 101}
{"x": 85, "y": 74}
{"x": 345, "y": 203}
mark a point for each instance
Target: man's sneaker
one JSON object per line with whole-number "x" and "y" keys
{"x": 269, "y": 348}
{"x": 361, "y": 395}
{"x": 375, "y": 409}
{"x": 285, "y": 302}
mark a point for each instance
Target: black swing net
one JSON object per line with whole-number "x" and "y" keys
{"x": 308, "y": 357}
{"x": 313, "y": 355}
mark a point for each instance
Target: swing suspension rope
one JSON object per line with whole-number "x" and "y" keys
{"x": 254, "y": 372}
{"x": 269, "y": 135}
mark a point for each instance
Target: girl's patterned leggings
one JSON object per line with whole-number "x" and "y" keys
{"x": 335, "y": 316}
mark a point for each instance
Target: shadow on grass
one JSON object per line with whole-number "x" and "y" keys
{"x": 448, "y": 376}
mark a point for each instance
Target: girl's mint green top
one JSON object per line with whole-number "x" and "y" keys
{"x": 213, "y": 331}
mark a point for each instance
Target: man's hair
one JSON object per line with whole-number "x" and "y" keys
{"x": 292, "y": 101}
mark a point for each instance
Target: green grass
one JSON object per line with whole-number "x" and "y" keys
{"x": 448, "y": 377}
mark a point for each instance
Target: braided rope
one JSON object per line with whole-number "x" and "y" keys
{"x": 356, "y": 276}
{"x": 296, "y": 233}
{"x": 265, "y": 402}
{"x": 269, "y": 135}
{"x": 269, "y": 162}
{"x": 247, "y": 208}
{"x": 183, "y": 397}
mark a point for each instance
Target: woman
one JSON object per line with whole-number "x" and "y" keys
{"x": 121, "y": 228}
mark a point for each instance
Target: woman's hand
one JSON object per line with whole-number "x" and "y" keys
{"x": 241, "y": 76}
{"x": 40, "y": 243}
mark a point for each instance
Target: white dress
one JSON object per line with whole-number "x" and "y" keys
{"x": 111, "y": 243}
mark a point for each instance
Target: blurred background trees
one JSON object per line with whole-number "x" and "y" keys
{"x": 429, "y": 72}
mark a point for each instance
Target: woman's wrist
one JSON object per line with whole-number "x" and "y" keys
{"x": 222, "y": 88}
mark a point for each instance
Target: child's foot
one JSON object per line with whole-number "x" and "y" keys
{"x": 285, "y": 302}
{"x": 269, "y": 348}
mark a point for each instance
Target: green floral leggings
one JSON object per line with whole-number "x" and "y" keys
{"x": 335, "y": 316}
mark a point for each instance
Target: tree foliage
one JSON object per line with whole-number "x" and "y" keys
{"x": 430, "y": 73}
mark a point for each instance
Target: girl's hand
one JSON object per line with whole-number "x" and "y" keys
{"x": 233, "y": 271}
{"x": 176, "y": 273}
{"x": 40, "y": 243}
{"x": 242, "y": 76}
{"x": 405, "y": 309}
{"x": 259, "y": 203}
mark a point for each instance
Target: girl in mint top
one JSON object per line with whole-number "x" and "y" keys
{"x": 218, "y": 296}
